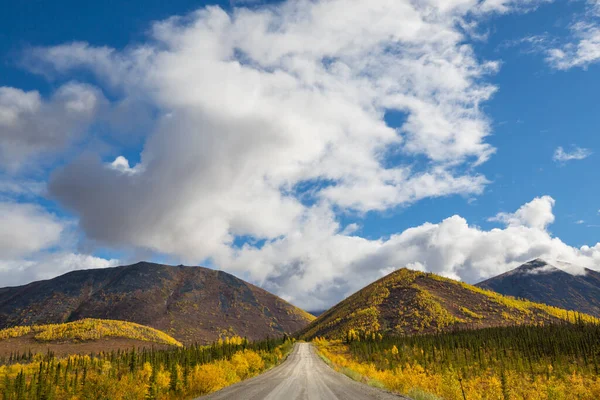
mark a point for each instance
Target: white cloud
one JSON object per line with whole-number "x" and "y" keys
{"x": 562, "y": 156}
{"x": 121, "y": 164}
{"x": 47, "y": 266}
{"x": 584, "y": 48}
{"x": 271, "y": 122}
{"x": 32, "y": 245}
{"x": 26, "y": 229}
{"x": 578, "y": 49}
{"x": 505, "y": 6}
{"x": 535, "y": 214}
{"x": 289, "y": 95}
{"x": 31, "y": 126}
{"x": 319, "y": 265}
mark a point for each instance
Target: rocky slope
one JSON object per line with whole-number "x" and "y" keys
{"x": 542, "y": 282}
{"x": 192, "y": 304}
{"x": 409, "y": 302}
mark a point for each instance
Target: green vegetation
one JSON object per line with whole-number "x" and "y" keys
{"x": 178, "y": 373}
{"x": 90, "y": 329}
{"x": 552, "y": 362}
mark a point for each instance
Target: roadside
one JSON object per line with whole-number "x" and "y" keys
{"x": 303, "y": 376}
{"x": 337, "y": 357}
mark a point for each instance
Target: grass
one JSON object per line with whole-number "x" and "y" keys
{"x": 355, "y": 376}
{"x": 376, "y": 384}
{"x": 418, "y": 394}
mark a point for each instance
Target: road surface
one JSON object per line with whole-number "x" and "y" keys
{"x": 303, "y": 376}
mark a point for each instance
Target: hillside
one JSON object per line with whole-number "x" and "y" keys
{"x": 192, "y": 304}
{"x": 82, "y": 337}
{"x": 408, "y": 302}
{"x": 541, "y": 282}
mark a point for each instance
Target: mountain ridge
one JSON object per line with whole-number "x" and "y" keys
{"x": 193, "y": 304}
{"x": 408, "y": 302}
{"x": 540, "y": 281}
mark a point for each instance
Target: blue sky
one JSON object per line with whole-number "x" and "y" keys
{"x": 314, "y": 204}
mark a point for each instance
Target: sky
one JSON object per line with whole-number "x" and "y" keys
{"x": 309, "y": 147}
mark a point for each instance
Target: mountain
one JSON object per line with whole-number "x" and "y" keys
{"x": 316, "y": 313}
{"x": 192, "y": 304}
{"x": 410, "y": 302}
{"x": 541, "y": 282}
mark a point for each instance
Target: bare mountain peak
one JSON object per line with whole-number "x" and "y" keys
{"x": 537, "y": 266}
{"x": 194, "y": 304}
{"x": 562, "y": 285}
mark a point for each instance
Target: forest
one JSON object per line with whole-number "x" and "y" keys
{"x": 178, "y": 373}
{"x": 545, "y": 362}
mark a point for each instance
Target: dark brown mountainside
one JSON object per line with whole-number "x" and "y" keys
{"x": 192, "y": 304}
{"x": 409, "y": 302}
{"x": 541, "y": 282}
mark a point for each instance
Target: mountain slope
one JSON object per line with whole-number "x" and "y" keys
{"x": 85, "y": 336}
{"x": 541, "y": 282}
{"x": 411, "y": 302}
{"x": 192, "y": 304}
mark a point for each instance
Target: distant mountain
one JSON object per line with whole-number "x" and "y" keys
{"x": 192, "y": 304}
{"x": 541, "y": 282}
{"x": 316, "y": 313}
{"x": 409, "y": 302}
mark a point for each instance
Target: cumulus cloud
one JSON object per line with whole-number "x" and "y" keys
{"x": 26, "y": 229}
{"x": 271, "y": 121}
{"x": 320, "y": 265}
{"x": 562, "y": 156}
{"x": 32, "y": 246}
{"x": 535, "y": 214}
{"x": 47, "y": 266}
{"x": 322, "y": 262}
{"x": 290, "y": 96}
{"x": 31, "y": 125}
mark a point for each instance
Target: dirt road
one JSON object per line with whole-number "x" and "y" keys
{"x": 303, "y": 376}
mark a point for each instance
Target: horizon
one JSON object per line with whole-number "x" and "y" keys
{"x": 329, "y": 306}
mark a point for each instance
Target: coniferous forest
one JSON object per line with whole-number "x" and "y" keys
{"x": 145, "y": 373}
{"x": 560, "y": 361}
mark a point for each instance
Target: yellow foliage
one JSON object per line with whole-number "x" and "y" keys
{"x": 91, "y": 329}
{"x": 163, "y": 379}
{"x": 428, "y": 303}
{"x": 146, "y": 372}
{"x": 114, "y": 380}
{"x": 446, "y": 384}
{"x": 247, "y": 363}
{"x": 470, "y": 313}
{"x": 17, "y": 331}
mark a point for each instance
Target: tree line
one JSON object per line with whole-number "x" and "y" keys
{"x": 143, "y": 373}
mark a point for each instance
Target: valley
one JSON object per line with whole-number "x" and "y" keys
{"x": 410, "y": 333}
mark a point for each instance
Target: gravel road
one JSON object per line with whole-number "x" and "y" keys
{"x": 303, "y": 376}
